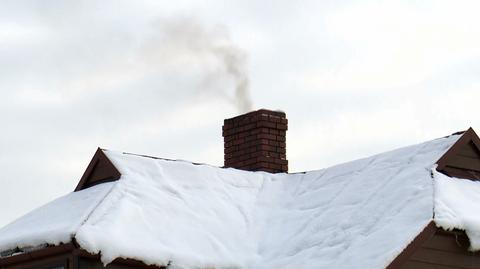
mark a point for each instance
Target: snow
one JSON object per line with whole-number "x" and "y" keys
{"x": 457, "y": 206}
{"x": 360, "y": 214}
{"x": 53, "y": 223}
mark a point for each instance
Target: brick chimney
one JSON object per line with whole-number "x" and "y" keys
{"x": 256, "y": 141}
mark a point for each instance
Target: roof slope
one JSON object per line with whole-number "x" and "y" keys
{"x": 361, "y": 214}
{"x": 53, "y": 223}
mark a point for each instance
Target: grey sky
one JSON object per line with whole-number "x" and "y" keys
{"x": 355, "y": 78}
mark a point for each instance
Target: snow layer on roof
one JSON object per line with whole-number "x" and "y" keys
{"x": 53, "y": 223}
{"x": 457, "y": 206}
{"x": 360, "y": 214}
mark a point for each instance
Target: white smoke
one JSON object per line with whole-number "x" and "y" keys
{"x": 186, "y": 43}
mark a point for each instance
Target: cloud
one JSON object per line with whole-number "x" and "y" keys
{"x": 399, "y": 43}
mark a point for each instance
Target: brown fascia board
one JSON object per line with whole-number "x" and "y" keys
{"x": 112, "y": 171}
{"x": 467, "y": 136}
{"x": 71, "y": 249}
{"x": 131, "y": 262}
{"x": 421, "y": 238}
{"x": 37, "y": 254}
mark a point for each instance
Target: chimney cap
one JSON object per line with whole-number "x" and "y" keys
{"x": 278, "y": 113}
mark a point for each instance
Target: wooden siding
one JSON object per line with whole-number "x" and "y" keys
{"x": 462, "y": 160}
{"x": 443, "y": 250}
{"x": 98, "y": 171}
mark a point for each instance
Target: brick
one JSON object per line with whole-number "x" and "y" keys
{"x": 273, "y": 131}
{"x": 242, "y": 134}
{"x": 229, "y": 138}
{"x": 275, "y": 166}
{"x": 256, "y": 141}
{"x": 273, "y": 154}
{"x": 257, "y": 153}
{"x": 263, "y": 164}
{"x": 263, "y": 117}
{"x": 238, "y": 141}
{"x": 263, "y": 159}
{"x": 244, "y": 157}
{"x": 250, "y": 161}
{"x": 259, "y": 130}
{"x": 230, "y": 149}
{"x": 266, "y": 124}
{"x": 263, "y": 142}
{"x": 228, "y": 144}
{"x": 275, "y": 119}
{"x": 231, "y": 131}
{"x": 266, "y": 147}
{"x": 249, "y": 126}
{"x": 250, "y": 138}
{"x": 281, "y": 126}
{"x": 249, "y": 144}
{"x": 267, "y": 136}
{"x": 273, "y": 143}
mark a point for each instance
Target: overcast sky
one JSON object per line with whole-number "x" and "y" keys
{"x": 158, "y": 77}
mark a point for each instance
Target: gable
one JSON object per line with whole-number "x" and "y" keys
{"x": 444, "y": 250}
{"x": 447, "y": 249}
{"x": 435, "y": 248}
{"x": 98, "y": 171}
{"x": 462, "y": 160}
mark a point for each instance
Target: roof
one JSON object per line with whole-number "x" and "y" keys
{"x": 360, "y": 214}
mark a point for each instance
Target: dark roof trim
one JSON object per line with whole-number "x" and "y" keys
{"x": 70, "y": 248}
{"x": 99, "y": 170}
{"x": 37, "y": 254}
{"x": 421, "y": 238}
{"x": 132, "y": 262}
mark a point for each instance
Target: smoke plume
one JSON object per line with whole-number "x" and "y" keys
{"x": 183, "y": 41}
{"x": 234, "y": 61}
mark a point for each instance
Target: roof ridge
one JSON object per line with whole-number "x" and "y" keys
{"x": 94, "y": 208}
{"x": 184, "y": 161}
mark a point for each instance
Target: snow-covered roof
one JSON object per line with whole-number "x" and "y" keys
{"x": 360, "y": 214}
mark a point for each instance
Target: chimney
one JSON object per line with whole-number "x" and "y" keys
{"x": 256, "y": 141}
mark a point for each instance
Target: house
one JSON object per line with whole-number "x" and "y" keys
{"x": 413, "y": 207}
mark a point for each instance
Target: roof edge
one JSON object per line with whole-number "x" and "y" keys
{"x": 406, "y": 253}
{"x": 39, "y": 253}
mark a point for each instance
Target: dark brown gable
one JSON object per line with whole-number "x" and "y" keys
{"x": 435, "y": 248}
{"x": 462, "y": 160}
{"x": 444, "y": 250}
{"x": 98, "y": 171}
